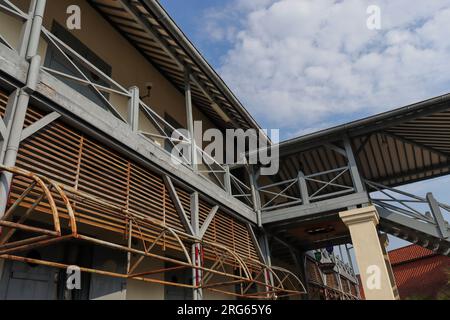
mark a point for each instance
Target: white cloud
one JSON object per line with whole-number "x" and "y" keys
{"x": 303, "y": 63}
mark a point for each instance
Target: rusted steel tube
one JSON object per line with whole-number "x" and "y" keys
{"x": 147, "y": 273}
{"x": 148, "y": 224}
{"x": 150, "y": 255}
{"x": 11, "y": 232}
{"x": 16, "y": 203}
{"x": 95, "y": 271}
{"x": 36, "y": 244}
{"x": 22, "y": 242}
{"x": 28, "y": 228}
{"x": 70, "y": 212}
{"x": 44, "y": 188}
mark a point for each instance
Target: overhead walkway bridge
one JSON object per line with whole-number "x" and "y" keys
{"x": 362, "y": 163}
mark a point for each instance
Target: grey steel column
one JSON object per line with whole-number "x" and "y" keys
{"x": 256, "y": 199}
{"x": 19, "y": 106}
{"x": 26, "y": 29}
{"x": 356, "y": 177}
{"x": 36, "y": 26}
{"x": 264, "y": 244}
{"x": 437, "y": 214}
{"x": 196, "y": 247}
{"x": 350, "y": 261}
{"x": 227, "y": 180}
{"x": 190, "y": 118}
{"x": 11, "y": 146}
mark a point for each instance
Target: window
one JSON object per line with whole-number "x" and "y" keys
{"x": 56, "y": 61}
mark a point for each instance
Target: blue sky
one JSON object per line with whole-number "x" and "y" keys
{"x": 304, "y": 65}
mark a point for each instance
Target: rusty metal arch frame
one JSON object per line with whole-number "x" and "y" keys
{"x": 137, "y": 223}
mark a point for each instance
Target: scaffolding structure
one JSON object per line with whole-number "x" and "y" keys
{"x": 41, "y": 196}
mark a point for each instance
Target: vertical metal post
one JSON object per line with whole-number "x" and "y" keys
{"x": 338, "y": 275}
{"x": 9, "y": 116}
{"x": 264, "y": 244}
{"x": 26, "y": 28}
{"x": 196, "y": 247}
{"x": 14, "y": 128}
{"x": 20, "y": 98}
{"x": 356, "y": 177}
{"x": 437, "y": 214}
{"x": 130, "y": 238}
{"x": 133, "y": 108}
{"x": 256, "y": 199}
{"x": 227, "y": 180}
{"x": 303, "y": 188}
{"x": 340, "y": 253}
{"x": 190, "y": 118}
{"x": 349, "y": 257}
{"x": 36, "y": 26}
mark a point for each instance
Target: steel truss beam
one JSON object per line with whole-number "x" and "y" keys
{"x": 39, "y": 124}
{"x": 178, "y": 205}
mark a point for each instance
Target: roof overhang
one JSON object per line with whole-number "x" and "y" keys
{"x": 397, "y": 147}
{"x": 149, "y": 28}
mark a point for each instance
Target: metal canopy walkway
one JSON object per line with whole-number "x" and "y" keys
{"x": 413, "y": 218}
{"x": 337, "y": 169}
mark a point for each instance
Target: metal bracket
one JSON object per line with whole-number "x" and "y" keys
{"x": 178, "y": 206}
{"x": 38, "y": 125}
{"x": 208, "y": 221}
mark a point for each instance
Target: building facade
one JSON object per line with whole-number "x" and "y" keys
{"x": 91, "y": 118}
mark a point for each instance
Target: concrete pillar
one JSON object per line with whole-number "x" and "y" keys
{"x": 384, "y": 242}
{"x": 376, "y": 277}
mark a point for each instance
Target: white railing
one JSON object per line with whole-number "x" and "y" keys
{"x": 77, "y": 62}
{"x": 297, "y": 191}
{"x": 208, "y": 166}
{"x": 423, "y": 209}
